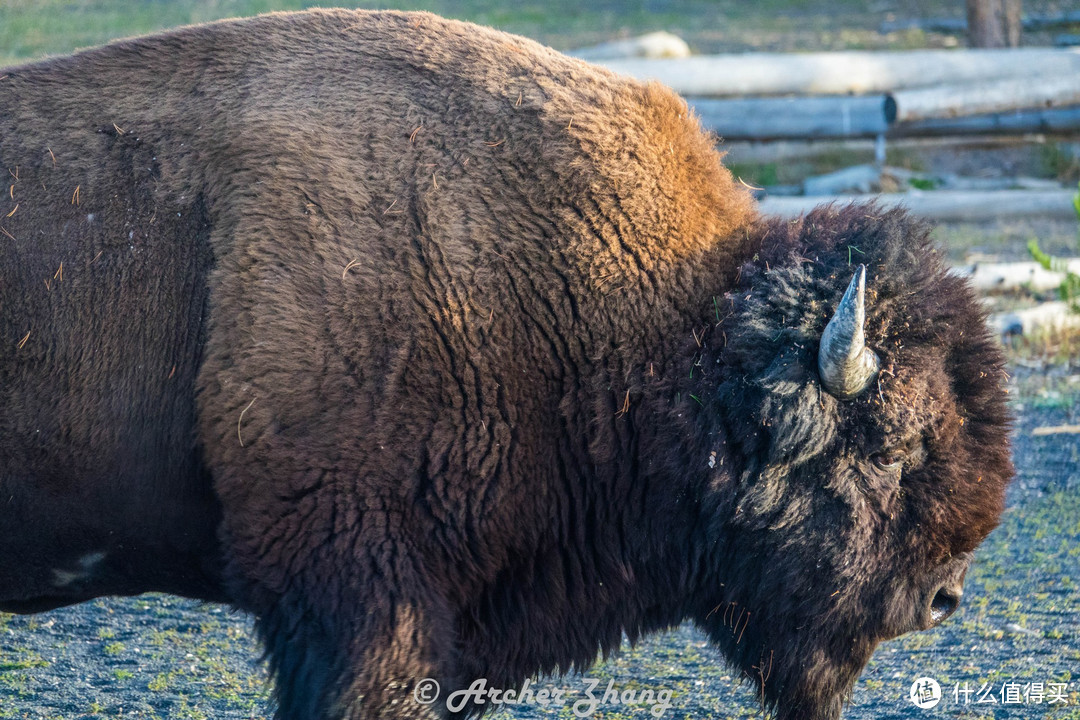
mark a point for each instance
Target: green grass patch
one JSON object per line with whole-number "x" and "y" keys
{"x": 34, "y": 28}
{"x": 756, "y": 174}
{"x": 32, "y": 660}
{"x": 160, "y": 682}
{"x": 1034, "y": 550}
{"x": 1054, "y": 346}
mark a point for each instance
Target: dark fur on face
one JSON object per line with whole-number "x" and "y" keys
{"x": 828, "y": 551}
{"x": 448, "y": 356}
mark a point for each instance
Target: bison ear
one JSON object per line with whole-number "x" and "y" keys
{"x": 846, "y": 365}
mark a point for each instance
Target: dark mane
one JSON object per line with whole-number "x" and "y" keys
{"x": 942, "y": 370}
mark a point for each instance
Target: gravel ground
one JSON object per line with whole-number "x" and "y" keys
{"x": 162, "y": 657}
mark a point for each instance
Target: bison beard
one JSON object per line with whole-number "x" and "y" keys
{"x": 480, "y": 361}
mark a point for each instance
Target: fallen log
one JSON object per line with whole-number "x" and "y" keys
{"x": 947, "y": 101}
{"x": 1056, "y": 430}
{"x": 944, "y": 205}
{"x": 835, "y": 117}
{"x": 840, "y": 116}
{"x": 1018, "y": 122}
{"x": 1001, "y": 277}
{"x": 839, "y": 73}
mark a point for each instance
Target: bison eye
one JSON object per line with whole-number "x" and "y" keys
{"x": 888, "y": 460}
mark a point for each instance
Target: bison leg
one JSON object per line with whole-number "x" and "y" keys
{"x": 378, "y": 667}
{"x": 346, "y": 638}
{"x": 397, "y": 675}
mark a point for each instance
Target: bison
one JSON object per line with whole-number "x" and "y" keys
{"x": 449, "y": 357}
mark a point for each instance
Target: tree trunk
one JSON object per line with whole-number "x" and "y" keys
{"x": 841, "y": 73}
{"x": 944, "y": 205}
{"x": 993, "y": 23}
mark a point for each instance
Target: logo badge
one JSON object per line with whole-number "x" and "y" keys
{"x": 925, "y": 693}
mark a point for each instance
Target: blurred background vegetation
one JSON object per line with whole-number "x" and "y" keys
{"x": 30, "y": 29}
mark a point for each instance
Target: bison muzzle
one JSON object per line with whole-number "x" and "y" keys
{"x": 450, "y": 357}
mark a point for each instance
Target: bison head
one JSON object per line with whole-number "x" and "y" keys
{"x": 863, "y": 404}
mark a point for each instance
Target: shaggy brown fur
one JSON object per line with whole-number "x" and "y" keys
{"x": 500, "y": 365}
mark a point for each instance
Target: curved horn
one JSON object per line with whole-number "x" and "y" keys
{"x": 846, "y": 365}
